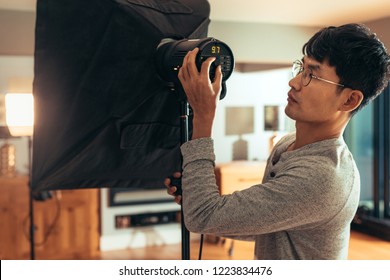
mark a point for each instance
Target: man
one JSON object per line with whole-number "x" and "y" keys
{"x": 310, "y": 191}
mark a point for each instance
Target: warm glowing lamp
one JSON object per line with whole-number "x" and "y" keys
{"x": 19, "y": 113}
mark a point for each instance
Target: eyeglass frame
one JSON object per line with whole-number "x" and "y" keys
{"x": 311, "y": 75}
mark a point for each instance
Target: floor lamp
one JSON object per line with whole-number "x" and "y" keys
{"x": 19, "y": 113}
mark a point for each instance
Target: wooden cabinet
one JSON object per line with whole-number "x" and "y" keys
{"x": 238, "y": 175}
{"x": 235, "y": 176}
{"x": 14, "y": 242}
{"x": 66, "y": 226}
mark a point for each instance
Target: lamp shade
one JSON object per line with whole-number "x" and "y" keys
{"x": 19, "y": 113}
{"x": 4, "y": 132}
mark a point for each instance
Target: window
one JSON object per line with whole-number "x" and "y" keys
{"x": 368, "y": 136}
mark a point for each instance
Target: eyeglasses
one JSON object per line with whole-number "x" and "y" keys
{"x": 307, "y": 75}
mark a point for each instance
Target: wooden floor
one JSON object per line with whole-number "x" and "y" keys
{"x": 362, "y": 247}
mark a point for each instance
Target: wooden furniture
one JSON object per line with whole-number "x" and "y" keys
{"x": 66, "y": 226}
{"x": 234, "y": 176}
{"x": 238, "y": 175}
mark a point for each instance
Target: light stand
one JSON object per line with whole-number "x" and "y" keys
{"x": 31, "y": 201}
{"x": 184, "y": 137}
{"x": 185, "y": 234}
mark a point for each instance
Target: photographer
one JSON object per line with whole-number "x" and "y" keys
{"x": 310, "y": 191}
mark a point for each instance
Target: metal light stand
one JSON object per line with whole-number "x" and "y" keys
{"x": 184, "y": 137}
{"x": 31, "y": 200}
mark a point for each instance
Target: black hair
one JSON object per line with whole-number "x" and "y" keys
{"x": 359, "y": 57}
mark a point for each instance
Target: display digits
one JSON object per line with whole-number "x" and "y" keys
{"x": 215, "y": 49}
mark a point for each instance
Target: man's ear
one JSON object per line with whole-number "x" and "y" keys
{"x": 352, "y": 100}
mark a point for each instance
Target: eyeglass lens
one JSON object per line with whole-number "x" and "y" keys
{"x": 297, "y": 69}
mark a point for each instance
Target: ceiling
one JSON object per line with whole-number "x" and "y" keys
{"x": 297, "y": 12}
{"x": 300, "y": 12}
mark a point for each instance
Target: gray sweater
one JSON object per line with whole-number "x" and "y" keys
{"x": 301, "y": 210}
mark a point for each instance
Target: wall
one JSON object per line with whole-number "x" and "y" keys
{"x": 381, "y": 28}
{"x": 255, "y": 89}
{"x": 262, "y": 43}
{"x": 251, "y": 42}
{"x": 275, "y": 43}
{"x": 17, "y": 32}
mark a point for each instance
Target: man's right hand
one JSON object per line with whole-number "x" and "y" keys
{"x": 171, "y": 189}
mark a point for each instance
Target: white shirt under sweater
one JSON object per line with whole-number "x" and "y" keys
{"x": 301, "y": 210}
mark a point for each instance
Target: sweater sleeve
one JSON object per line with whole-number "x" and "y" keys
{"x": 295, "y": 198}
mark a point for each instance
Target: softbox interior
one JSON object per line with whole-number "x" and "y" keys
{"x": 103, "y": 118}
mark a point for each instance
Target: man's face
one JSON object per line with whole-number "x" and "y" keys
{"x": 319, "y": 101}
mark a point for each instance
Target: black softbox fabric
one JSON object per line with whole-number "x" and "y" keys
{"x": 103, "y": 118}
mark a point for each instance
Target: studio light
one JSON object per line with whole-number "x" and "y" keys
{"x": 170, "y": 54}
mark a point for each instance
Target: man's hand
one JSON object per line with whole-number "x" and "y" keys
{"x": 202, "y": 94}
{"x": 171, "y": 189}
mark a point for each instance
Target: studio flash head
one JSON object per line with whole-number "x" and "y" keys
{"x": 170, "y": 54}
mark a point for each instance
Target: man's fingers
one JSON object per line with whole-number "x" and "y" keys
{"x": 205, "y": 68}
{"x": 191, "y": 65}
{"x": 178, "y": 199}
{"x": 188, "y": 68}
{"x": 218, "y": 75}
{"x": 172, "y": 190}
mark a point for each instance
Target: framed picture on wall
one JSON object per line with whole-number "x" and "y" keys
{"x": 239, "y": 120}
{"x": 271, "y": 118}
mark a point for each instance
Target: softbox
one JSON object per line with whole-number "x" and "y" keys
{"x": 103, "y": 118}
